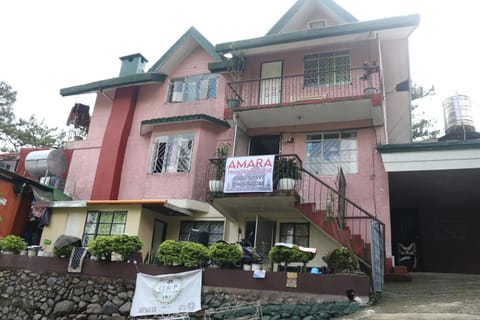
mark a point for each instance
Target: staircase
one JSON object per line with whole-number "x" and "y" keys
{"x": 345, "y": 222}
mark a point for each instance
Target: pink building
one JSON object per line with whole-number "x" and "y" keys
{"x": 320, "y": 88}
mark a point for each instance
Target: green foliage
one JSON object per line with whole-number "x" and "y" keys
{"x": 225, "y": 254}
{"x": 126, "y": 245}
{"x": 65, "y": 251}
{"x": 340, "y": 260}
{"x": 422, "y": 126}
{"x": 286, "y": 255}
{"x": 23, "y": 132}
{"x": 221, "y": 153}
{"x": 13, "y": 243}
{"x": 286, "y": 168}
{"x": 194, "y": 254}
{"x": 101, "y": 247}
{"x": 168, "y": 252}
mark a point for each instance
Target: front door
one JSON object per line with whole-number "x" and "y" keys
{"x": 159, "y": 235}
{"x": 271, "y": 83}
{"x": 263, "y": 145}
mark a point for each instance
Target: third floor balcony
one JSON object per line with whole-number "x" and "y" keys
{"x": 342, "y": 95}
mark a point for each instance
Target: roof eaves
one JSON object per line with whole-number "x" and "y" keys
{"x": 332, "y": 5}
{"x": 129, "y": 80}
{"x": 176, "y": 119}
{"x": 429, "y": 146}
{"x": 192, "y": 32}
{"x": 333, "y": 31}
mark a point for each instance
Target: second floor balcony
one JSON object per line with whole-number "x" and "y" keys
{"x": 342, "y": 95}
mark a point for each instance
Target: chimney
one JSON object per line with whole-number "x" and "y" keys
{"x": 132, "y": 64}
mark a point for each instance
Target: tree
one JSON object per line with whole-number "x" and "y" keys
{"x": 422, "y": 126}
{"x": 15, "y": 134}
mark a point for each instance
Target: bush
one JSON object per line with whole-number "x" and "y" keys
{"x": 225, "y": 254}
{"x": 286, "y": 255}
{"x": 126, "y": 245}
{"x": 193, "y": 254}
{"x": 101, "y": 247}
{"x": 13, "y": 243}
{"x": 168, "y": 252}
{"x": 340, "y": 260}
{"x": 65, "y": 251}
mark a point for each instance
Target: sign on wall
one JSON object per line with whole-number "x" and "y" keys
{"x": 249, "y": 174}
{"x": 167, "y": 294}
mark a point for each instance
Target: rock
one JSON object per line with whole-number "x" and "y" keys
{"x": 125, "y": 308}
{"x": 94, "y": 308}
{"x": 109, "y": 308}
{"x": 64, "y": 307}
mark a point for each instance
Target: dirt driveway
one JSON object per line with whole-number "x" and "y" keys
{"x": 427, "y": 296}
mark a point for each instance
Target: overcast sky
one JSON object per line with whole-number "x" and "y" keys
{"x": 49, "y": 45}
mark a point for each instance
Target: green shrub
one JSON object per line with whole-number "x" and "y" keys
{"x": 101, "y": 247}
{"x": 225, "y": 254}
{"x": 126, "y": 245}
{"x": 65, "y": 251}
{"x": 13, "y": 243}
{"x": 286, "y": 255}
{"x": 193, "y": 254}
{"x": 168, "y": 252}
{"x": 340, "y": 260}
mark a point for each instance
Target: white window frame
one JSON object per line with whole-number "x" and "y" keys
{"x": 193, "y": 88}
{"x": 172, "y": 153}
{"x": 326, "y": 68}
{"x": 317, "y": 24}
{"x": 326, "y": 152}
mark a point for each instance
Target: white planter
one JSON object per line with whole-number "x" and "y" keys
{"x": 286, "y": 184}
{"x": 256, "y": 266}
{"x": 32, "y": 253}
{"x": 215, "y": 185}
{"x": 247, "y": 267}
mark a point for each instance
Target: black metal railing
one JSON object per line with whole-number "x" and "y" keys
{"x": 320, "y": 195}
{"x": 304, "y": 88}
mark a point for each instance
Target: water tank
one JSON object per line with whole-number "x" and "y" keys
{"x": 458, "y": 114}
{"x": 46, "y": 162}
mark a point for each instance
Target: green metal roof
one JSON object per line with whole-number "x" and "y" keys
{"x": 186, "y": 118}
{"x": 429, "y": 146}
{"x": 124, "y": 81}
{"x": 333, "y": 31}
{"x": 198, "y": 37}
{"x": 332, "y": 5}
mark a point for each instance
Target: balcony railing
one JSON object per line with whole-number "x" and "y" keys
{"x": 305, "y": 88}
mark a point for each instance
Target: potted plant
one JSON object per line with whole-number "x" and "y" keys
{"x": 194, "y": 254}
{"x": 101, "y": 248}
{"x": 369, "y": 69}
{"x": 221, "y": 153}
{"x": 64, "y": 251}
{"x": 168, "y": 252}
{"x": 225, "y": 254}
{"x": 12, "y": 244}
{"x": 341, "y": 260}
{"x": 127, "y": 246}
{"x": 287, "y": 172}
{"x": 236, "y": 65}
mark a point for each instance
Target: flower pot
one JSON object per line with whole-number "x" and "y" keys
{"x": 286, "y": 184}
{"x": 256, "y": 266}
{"x": 233, "y": 103}
{"x": 247, "y": 267}
{"x": 215, "y": 185}
{"x": 370, "y": 90}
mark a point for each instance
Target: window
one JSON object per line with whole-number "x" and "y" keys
{"x": 172, "y": 154}
{"x": 317, "y": 24}
{"x": 327, "y": 68}
{"x": 295, "y": 233}
{"x": 103, "y": 223}
{"x": 327, "y": 152}
{"x": 214, "y": 229}
{"x": 199, "y": 87}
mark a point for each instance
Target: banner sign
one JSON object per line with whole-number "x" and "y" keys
{"x": 249, "y": 174}
{"x": 167, "y": 294}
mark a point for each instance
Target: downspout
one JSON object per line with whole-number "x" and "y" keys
{"x": 235, "y": 134}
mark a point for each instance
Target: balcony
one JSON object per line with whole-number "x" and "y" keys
{"x": 308, "y": 98}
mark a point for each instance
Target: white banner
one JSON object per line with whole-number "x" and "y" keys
{"x": 167, "y": 294}
{"x": 249, "y": 174}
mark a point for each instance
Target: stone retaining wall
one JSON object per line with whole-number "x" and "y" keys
{"x": 44, "y": 296}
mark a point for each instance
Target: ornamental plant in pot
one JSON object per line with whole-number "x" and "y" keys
{"x": 12, "y": 244}
{"x": 369, "y": 68}
{"x": 221, "y": 153}
{"x": 101, "y": 248}
{"x": 286, "y": 172}
{"x": 225, "y": 255}
{"x": 127, "y": 246}
{"x": 236, "y": 65}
